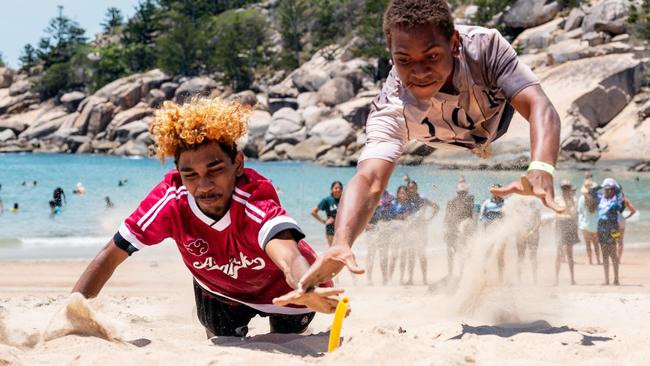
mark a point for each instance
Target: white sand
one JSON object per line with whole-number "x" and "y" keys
{"x": 150, "y": 301}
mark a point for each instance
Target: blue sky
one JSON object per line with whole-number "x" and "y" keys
{"x": 23, "y": 22}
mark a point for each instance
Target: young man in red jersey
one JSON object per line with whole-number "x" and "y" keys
{"x": 240, "y": 245}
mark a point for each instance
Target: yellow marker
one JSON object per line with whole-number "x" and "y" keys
{"x": 335, "y": 331}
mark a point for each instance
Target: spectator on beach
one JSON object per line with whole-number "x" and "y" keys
{"x": 419, "y": 226}
{"x": 610, "y": 204}
{"x": 566, "y": 229}
{"x": 404, "y": 209}
{"x": 527, "y": 239}
{"x": 330, "y": 205}
{"x": 378, "y": 231}
{"x": 458, "y": 223}
{"x": 588, "y": 220}
{"x": 492, "y": 212}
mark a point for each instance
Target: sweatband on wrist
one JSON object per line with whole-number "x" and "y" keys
{"x": 540, "y": 165}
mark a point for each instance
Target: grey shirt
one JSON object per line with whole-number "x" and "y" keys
{"x": 487, "y": 75}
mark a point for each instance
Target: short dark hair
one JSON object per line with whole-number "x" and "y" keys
{"x": 336, "y": 182}
{"x": 411, "y": 13}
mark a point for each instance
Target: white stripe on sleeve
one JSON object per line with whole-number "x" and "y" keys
{"x": 272, "y": 227}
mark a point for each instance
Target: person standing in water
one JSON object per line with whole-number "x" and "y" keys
{"x": 491, "y": 213}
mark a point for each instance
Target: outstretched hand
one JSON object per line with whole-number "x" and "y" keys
{"x": 328, "y": 265}
{"x": 321, "y": 299}
{"x": 536, "y": 183}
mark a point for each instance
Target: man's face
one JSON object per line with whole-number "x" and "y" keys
{"x": 209, "y": 175}
{"x": 337, "y": 190}
{"x": 423, "y": 58}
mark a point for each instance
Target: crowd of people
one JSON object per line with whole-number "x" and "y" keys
{"x": 597, "y": 211}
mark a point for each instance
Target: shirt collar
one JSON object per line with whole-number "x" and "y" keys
{"x": 220, "y": 225}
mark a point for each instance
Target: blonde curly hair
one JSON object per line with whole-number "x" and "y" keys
{"x": 177, "y": 128}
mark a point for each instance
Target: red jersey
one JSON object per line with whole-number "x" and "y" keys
{"x": 226, "y": 257}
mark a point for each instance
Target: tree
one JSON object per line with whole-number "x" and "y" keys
{"x": 196, "y": 9}
{"x": 111, "y": 66}
{"x": 2, "y": 62}
{"x": 333, "y": 19}
{"x": 370, "y": 30}
{"x": 112, "y": 19}
{"x": 239, "y": 46}
{"x": 184, "y": 48}
{"x": 28, "y": 57}
{"x": 64, "y": 36}
{"x": 139, "y": 36}
{"x": 292, "y": 16}
{"x": 487, "y": 9}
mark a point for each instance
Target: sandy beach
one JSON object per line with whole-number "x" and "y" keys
{"x": 145, "y": 315}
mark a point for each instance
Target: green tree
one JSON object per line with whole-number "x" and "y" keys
{"x": 370, "y": 30}
{"x": 28, "y": 57}
{"x": 139, "y": 36}
{"x": 111, "y": 66}
{"x": 54, "y": 80}
{"x": 332, "y": 20}
{"x": 196, "y": 9}
{"x": 112, "y": 19}
{"x": 184, "y": 49}
{"x": 2, "y": 62}
{"x": 62, "y": 53}
{"x": 64, "y": 36}
{"x": 488, "y": 9}
{"x": 633, "y": 15}
{"x": 238, "y": 46}
{"x": 292, "y": 16}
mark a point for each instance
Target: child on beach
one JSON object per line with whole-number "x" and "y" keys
{"x": 239, "y": 244}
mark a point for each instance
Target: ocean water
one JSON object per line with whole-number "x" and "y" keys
{"x": 85, "y": 224}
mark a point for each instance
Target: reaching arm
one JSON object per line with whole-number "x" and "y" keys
{"x": 100, "y": 270}
{"x": 356, "y": 207}
{"x": 360, "y": 199}
{"x": 533, "y": 104}
{"x": 285, "y": 254}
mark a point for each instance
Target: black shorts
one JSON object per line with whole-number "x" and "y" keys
{"x": 224, "y": 317}
{"x": 329, "y": 229}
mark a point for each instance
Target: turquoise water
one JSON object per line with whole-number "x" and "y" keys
{"x": 85, "y": 224}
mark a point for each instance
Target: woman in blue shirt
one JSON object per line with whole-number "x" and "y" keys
{"x": 610, "y": 204}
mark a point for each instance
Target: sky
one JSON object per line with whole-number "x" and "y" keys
{"x": 23, "y": 22}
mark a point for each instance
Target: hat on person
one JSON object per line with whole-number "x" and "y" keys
{"x": 587, "y": 186}
{"x": 566, "y": 184}
{"x": 610, "y": 183}
{"x": 462, "y": 185}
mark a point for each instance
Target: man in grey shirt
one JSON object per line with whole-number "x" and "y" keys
{"x": 456, "y": 87}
